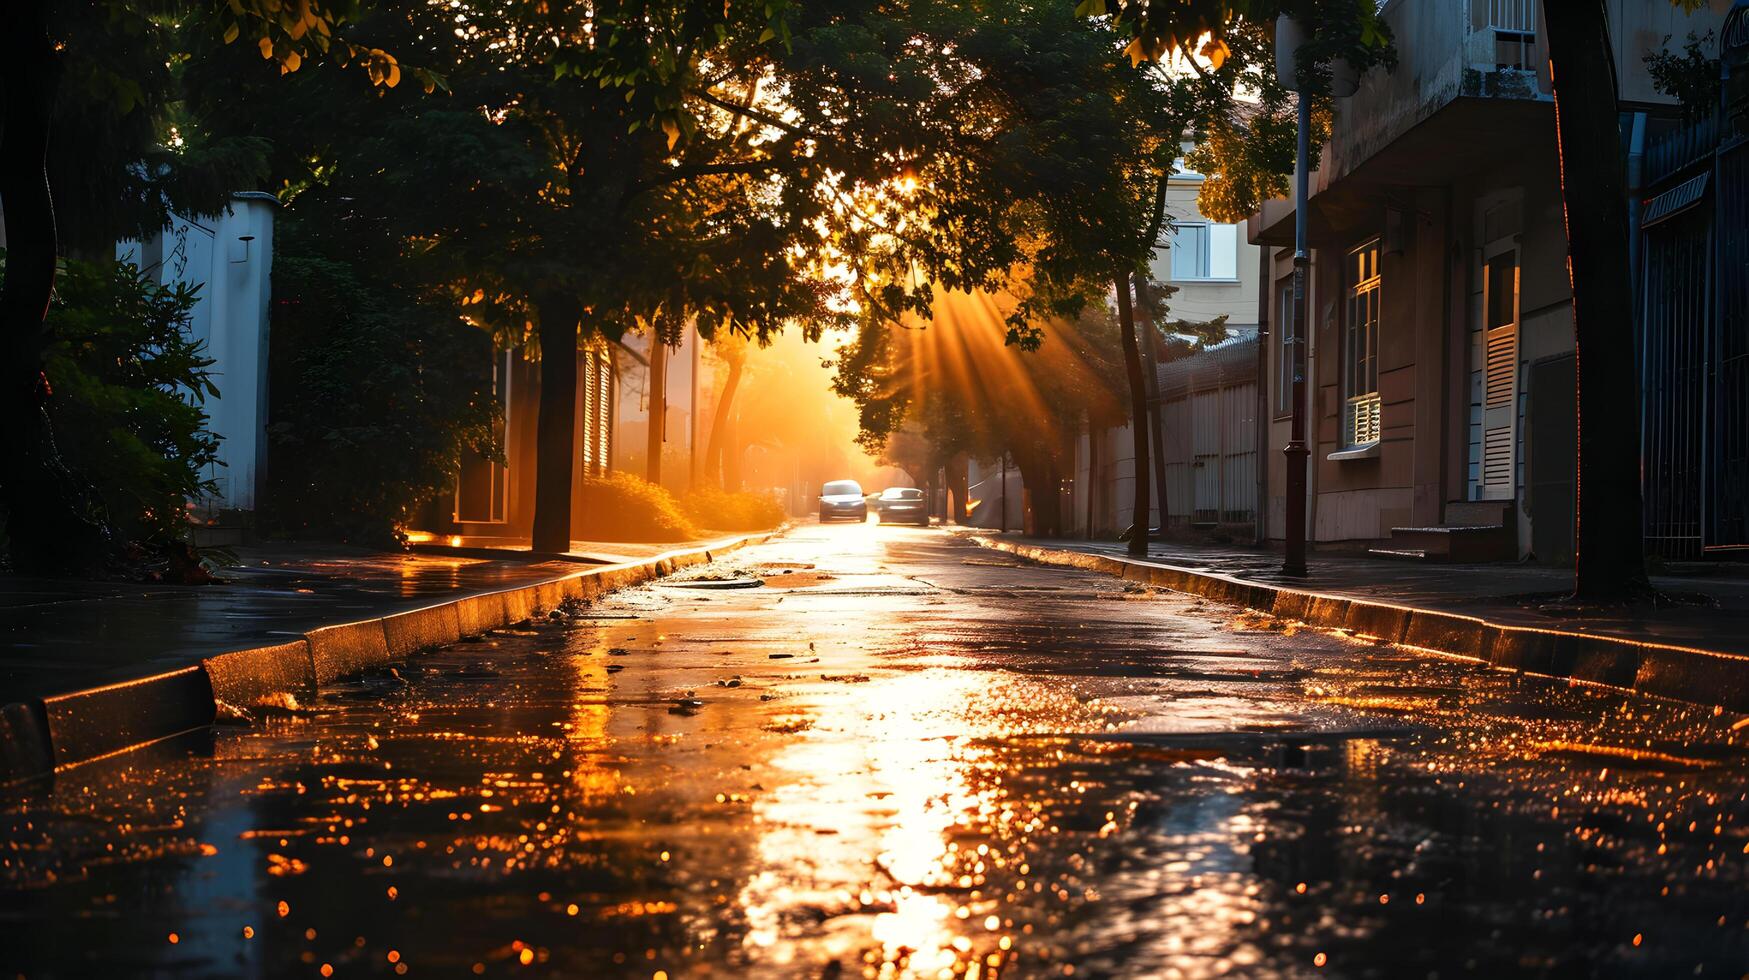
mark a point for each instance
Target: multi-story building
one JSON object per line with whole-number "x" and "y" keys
{"x": 1213, "y": 271}
{"x": 492, "y": 500}
{"x": 1440, "y": 343}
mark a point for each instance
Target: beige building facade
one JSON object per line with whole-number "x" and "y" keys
{"x": 1211, "y": 264}
{"x": 1440, "y": 342}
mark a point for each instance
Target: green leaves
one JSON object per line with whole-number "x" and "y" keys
{"x": 129, "y": 382}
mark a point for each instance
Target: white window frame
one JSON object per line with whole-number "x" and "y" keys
{"x": 1361, "y": 324}
{"x": 1205, "y": 266}
{"x": 1497, "y": 472}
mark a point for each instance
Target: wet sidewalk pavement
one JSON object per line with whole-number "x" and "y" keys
{"x": 898, "y": 755}
{"x": 1712, "y": 612}
{"x": 59, "y": 635}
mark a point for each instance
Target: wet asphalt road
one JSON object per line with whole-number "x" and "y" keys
{"x": 902, "y": 756}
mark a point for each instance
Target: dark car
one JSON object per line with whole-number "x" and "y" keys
{"x": 842, "y": 500}
{"x": 903, "y": 505}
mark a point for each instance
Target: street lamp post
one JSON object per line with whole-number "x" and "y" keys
{"x": 1289, "y": 36}
{"x": 1296, "y": 452}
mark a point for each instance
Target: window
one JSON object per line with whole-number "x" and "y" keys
{"x": 1284, "y": 349}
{"x": 1360, "y": 347}
{"x": 595, "y": 403}
{"x": 1499, "y": 375}
{"x": 1201, "y": 250}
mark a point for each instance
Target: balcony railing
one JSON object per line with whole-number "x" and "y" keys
{"x": 1513, "y": 26}
{"x": 1516, "y": 16}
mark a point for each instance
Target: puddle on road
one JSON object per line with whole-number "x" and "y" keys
{"x": 867, "y": 786}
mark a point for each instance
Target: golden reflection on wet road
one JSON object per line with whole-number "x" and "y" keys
{"x": 902, "y": 756}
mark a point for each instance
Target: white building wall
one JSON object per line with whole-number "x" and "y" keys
{"x": 1230, "y": 290}
{"x": 230, "y": 257}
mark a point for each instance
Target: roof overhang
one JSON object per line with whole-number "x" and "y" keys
{"x": 1464, "y": 137}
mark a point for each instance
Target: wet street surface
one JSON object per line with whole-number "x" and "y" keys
{"x": 876, "y": 752}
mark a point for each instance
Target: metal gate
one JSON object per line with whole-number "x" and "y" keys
{"x": 1180, "y": 459}
{"x": 1210, "y": 416}
{"x": 1694, "y": 344}
{"x": 1673, "y": 372}
{"x": 1728, "y": 519}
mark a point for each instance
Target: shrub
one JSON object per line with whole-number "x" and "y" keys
{"x": 723, "y": 510}
{"x": 129, "y": 384}
{"x": 622, "y": 507}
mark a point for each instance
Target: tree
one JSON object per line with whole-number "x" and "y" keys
{"x": 570, "y": 207}
{"x": 851, "y": 166}
{"x": 1140, "y": 447}
{"x": 52, "y": 523}
{"x": 1609, "y": 557}
{"x": 965, "y": 392}
{"x": 1691, "y": 78}
{"x": 1091, "y": 142}
{"x": 110, "y": 55}
{"x": 911, "y": 450}
{"x": 731, "y": 350}
{"x": 1245, "y": 145}
{"x": 579, "y": 197}
{"x": 379, "y": 383}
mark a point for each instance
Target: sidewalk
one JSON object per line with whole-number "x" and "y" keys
{"x": 59, "y": 635}
{"x": 1507, "y": 594}
{"x": 1502, "y": 614}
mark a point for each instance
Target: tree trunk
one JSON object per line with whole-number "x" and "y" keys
{"x": 1038, "y": 497}
{"x": 1047, "y": 503}
{"x": 52, "y": 524}
{"x": 1608, "y": 546}
{"x": 1031, "y": 516}
{"x": 1005, "y": 491}
{"x": 958, "y": 485}
{"x": 716, "y": 472}
{"x": 556, "y": 422}
{"x": 658, "y": 434}
{"x": 733, "y": 451}
{"x": 1093, "y": 434}
{"x": 1132, "y": 361}
{"x": 1157, "y": 407}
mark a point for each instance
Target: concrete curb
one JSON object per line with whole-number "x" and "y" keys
{"x": 1661, "y": 670}
{"x": 52, "y": 733}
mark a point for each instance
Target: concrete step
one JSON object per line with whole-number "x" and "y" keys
{"x": 1408, "y": 554}
{"x": 1479, "y": 513}
{"x": 1465, "y": 544}
{"x": 206, "y": 536}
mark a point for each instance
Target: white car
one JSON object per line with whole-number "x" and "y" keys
{"x": 843, "y": 500}
{"x": 903, "y": 505}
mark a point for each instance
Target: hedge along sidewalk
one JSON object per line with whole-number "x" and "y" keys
{"x": 42, "y": 735}
{"x": 1683, "y": 673}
